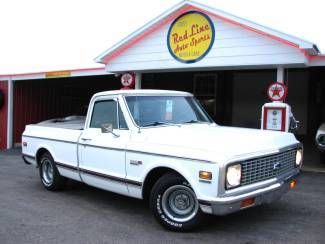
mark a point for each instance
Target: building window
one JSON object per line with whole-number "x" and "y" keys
{"x": 205, "y": 90}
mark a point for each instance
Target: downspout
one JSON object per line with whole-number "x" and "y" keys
{"x": 138, "y": 80}
{"x": 10, "y": 113}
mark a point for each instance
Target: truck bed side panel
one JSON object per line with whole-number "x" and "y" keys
{"x": 61, "y": 143}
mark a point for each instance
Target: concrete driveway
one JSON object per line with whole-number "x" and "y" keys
{"x": 82, "y": 214}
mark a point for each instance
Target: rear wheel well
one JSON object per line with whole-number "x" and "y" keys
{"x": 39, "y": 154}
{"x": 152, "y": 178}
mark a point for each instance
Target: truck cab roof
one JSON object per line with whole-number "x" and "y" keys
{"x": 143, "y": 92}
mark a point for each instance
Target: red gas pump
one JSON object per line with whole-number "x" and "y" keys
{"x": 277, "y": 115}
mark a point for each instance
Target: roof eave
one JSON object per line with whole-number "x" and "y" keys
{"x": 307, "y": 46}
{"x": 100, "y": 58}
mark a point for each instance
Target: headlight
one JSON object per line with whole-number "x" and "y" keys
{"x": 298, "y": 157}
{"x": 233, "y": 175}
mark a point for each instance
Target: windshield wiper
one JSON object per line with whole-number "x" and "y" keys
{"x": 156, "y": 123}
{"x": 196, "y": 122}
{"x": 192, "y": 121}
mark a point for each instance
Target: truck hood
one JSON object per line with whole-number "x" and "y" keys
{"x": 209, "y": 142}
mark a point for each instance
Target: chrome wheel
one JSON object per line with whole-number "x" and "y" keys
{"x": 179, "y": 203}
{"x": 47, "y": 172}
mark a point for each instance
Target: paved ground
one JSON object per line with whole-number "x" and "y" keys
{"x": 82, "y": 214}
{"x": 312, "y": 161}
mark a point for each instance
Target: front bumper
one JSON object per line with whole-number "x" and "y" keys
{"x": 227, "y": 205}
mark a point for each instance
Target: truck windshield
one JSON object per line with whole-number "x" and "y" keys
{"x": 166, "y": 110}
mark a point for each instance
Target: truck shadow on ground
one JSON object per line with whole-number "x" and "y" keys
{"x": 285, "y": 220}
{"x": 130, "y": 208}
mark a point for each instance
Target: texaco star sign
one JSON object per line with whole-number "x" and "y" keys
{"x": 277, "y": 91}
{"x": 127, "y": 80}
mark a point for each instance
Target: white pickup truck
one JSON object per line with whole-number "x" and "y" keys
{"x": 163, "y": 147}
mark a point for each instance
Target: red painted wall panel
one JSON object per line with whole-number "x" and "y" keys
{"x": 39, "y": 100}
{"x": 4, "y": 116}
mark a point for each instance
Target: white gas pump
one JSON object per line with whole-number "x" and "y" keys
{"x": 277, "y": 115}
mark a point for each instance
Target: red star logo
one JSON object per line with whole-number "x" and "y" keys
{"x": 126, "y": 80}
{"x": 276, "y": 91}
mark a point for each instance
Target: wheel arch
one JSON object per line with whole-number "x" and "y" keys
{"x": 153, "y": 175}
{"x": 40, "y": 152}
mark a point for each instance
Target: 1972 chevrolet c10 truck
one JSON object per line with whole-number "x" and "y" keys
{"x": 163, "y": 147}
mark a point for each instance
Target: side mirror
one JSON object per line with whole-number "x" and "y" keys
{"x": 108, "y": 128}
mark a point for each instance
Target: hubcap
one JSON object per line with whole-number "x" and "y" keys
{"x": 47, "y": 172}
{"x": 179, "y": 203}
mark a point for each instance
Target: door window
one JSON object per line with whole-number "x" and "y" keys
{"x": 105, "y": 112}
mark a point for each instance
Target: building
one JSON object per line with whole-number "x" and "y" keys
{"x": 31, "y": 98}
{"x": 226, "y": 61}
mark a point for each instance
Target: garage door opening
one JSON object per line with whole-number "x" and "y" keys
{"x": 43, "y": 99}
{"x": 235, "y": 97}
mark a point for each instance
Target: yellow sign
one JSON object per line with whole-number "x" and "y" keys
{"x": 57, "y": 74}
{"x": 190, "y": 37}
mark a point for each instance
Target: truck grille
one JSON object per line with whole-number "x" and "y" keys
{"x": 259, "y": 169}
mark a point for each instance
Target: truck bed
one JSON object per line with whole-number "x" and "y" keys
{"x": 70, "y": 122}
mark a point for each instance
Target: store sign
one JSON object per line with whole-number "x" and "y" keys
{"x": 57, "y": 74}
{"x": 277, "y": 91}
{"x": 190, "y": 37}
{"x": 127, "y": 80}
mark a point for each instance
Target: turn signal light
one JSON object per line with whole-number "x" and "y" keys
{"x": 293, "y": 184}
{"x": 247, "y": 203}
{"x": 205, "y": 175}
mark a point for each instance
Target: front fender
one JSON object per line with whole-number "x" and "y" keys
{"x": 189, "y": 169}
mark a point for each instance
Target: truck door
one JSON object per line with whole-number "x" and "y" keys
{"x": 102, "y": 150}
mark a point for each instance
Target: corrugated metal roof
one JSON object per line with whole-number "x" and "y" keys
{"x": 43, "y": 75}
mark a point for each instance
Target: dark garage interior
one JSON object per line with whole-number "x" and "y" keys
{"x": 42, "y": 99}
{"x": 235, "y": 97}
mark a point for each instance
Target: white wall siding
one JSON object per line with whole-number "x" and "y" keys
{"x": 233, "y": 46}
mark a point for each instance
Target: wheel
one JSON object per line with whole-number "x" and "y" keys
{"x": 174, "y": 203}
{"x": 49, "y": 174}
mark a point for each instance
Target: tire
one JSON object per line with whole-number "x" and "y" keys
{"x": 181, "y": 215}
{"x": 49, "y": 174}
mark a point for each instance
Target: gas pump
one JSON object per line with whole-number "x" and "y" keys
{"x": 277, "y": 115}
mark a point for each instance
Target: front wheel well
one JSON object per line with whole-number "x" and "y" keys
{"x": 152, "y": 178}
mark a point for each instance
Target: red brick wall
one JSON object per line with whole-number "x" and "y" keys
{"x": 3, "y": 116}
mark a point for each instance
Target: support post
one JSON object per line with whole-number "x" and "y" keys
{"x": 138, "y": 80}
{"x": 10, "y": 112}
{"x": 280, "y": 74}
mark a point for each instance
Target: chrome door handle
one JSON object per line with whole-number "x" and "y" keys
{"x": 86, "y": 139}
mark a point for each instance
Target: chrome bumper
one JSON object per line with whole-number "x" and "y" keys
{"x": 227, "y": 205}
